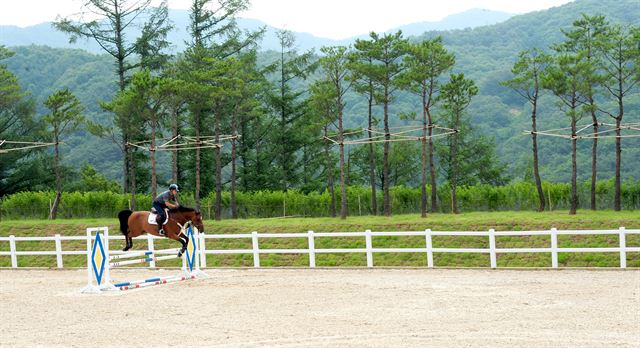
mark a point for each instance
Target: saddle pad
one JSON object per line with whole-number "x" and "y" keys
{"x": 152, "y": 218}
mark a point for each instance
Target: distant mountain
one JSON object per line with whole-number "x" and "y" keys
{"x": 468, "y": 19}
{"x": 45, "y": 34}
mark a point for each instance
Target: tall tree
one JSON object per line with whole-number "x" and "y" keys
{"x": 174, "y": 98}
{"x": 323, "y": 107}
{"x": 568, "y": 79}
{"x": 64, "y": 118}
{"x": 245, "y": 79}
{"x": 214, "y": 37}
{"x": 621, "y": 61}
{"x": 528, "y": 71}
{"x": 584, "y": 37}
{"x": 361, "y": 61}
{"x": 115, "y": 18}
{"x": 18, "y": 123}
{"x": 426, "y": 62}
{"x": 334, "y": 64}
{"x": 288, "y": 104}
{"x": 455, "y": 96}
{"x": 386, "y": 54}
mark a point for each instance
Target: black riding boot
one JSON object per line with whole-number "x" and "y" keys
{"x": 159, "y": 221}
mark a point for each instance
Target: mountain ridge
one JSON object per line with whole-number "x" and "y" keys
{"x": 45, "y": 34}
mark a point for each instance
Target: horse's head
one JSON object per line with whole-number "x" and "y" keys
{"x": 188, "y": 214}
{"x": 197, "y": 221}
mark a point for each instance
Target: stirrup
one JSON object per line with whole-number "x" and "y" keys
{"x": 161, "y": 232}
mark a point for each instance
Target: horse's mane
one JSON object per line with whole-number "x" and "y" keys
{"x": 181, "y": 209}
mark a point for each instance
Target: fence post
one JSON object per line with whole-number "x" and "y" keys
{"x": 429, "y": 248}
{"x": 58, "y": 251}
{"x": 202, "y": 249}
{"x": 492, "y": 248}
{"x": 256, "y": 249}
{"x": 369, "y": 244}
{"x": 152, "y": 263}
{"x": 554, "y": 248}
{"x": 12, "y": 247}
{"x": 312, "y": 250}
{"x": 623, "y": 248}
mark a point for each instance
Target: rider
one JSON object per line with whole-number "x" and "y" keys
{"x": 163, "y": 201}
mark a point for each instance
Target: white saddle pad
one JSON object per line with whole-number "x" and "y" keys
{"x": 152, "y": 218}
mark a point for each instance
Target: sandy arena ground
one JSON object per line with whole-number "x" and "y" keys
{"x": 327, "y": 308}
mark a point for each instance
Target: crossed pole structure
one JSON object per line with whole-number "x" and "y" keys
{"x": 21, "y": 145}
{"x": 185, "y": 142}
{"x": 632, "y": 128}
{"x": 402, "y": 133}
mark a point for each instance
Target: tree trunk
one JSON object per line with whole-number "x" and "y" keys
{"x": 152, "y": 154}
{"x": 174, "y": 152}
{"x": 617, "y": 201}
{"x": 432, "y": 166}
{"x": 234, "y": 133}
{"x": 283, "y": 126}
{"x": 423, "y": 157}
{"x": 244, "y": 184}
{"x": 574, "y": 171}
{"x": 329, "y": 167}
{"x": 454, "y": 170}
{"x": 122, "y": 85}
{"x": 385, "y": 156}
{"x": 536, "y": 171}
{"x": 372, "y": 158}
{"x": 197, "y": 131}
{"x": 218, "y": 203}
{"x": 125, "y": 162}
{"x": 56, "y": 163}
{"x": 594, "y": 157}
{"x": 132, "y": 170}
{"x": 343, "y": 186}
{"x": 617, "y": 204}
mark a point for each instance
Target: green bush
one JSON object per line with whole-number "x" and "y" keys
{"x": 264, "y": 204}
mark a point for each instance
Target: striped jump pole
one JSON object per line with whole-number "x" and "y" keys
{"x": 143, "y": 253}
{"x": 100, "y": 262}
{"x": 150, "y": 282}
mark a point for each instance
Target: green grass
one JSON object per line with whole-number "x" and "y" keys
{"x": 477, "y": 221}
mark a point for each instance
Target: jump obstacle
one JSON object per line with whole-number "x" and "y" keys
{"x": 100, "y": 262}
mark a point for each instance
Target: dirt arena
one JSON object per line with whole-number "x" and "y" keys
{"x": 327, "y": 308}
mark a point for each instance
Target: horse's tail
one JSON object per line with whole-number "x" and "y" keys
{"x": 123, "y": 216}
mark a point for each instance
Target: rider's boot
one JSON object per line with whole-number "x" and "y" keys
{"x": 159, "y": 221}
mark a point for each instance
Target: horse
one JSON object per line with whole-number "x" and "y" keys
{"x": 135, "y": 223}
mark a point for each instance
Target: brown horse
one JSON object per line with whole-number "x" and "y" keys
{"x": 133, "y": 224}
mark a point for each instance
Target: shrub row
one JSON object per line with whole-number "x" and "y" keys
{"x": 262, "y": 204}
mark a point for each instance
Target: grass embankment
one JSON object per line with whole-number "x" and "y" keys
{"x": 477, "y": 221}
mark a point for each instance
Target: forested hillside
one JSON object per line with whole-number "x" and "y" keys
{"x": 485, "y": 54}
{"x": 277, "y": 102}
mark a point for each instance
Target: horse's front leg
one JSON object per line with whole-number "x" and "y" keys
{"x": 184, "y": 240}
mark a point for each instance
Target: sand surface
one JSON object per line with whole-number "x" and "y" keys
{"x": 327, "y": 308}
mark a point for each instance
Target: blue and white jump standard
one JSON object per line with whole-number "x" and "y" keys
{"x": 100, "y": 262}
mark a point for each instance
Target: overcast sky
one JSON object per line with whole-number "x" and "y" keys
{"x": 336, "y": 19}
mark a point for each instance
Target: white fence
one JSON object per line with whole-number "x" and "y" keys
{"x": 369, "y": 250}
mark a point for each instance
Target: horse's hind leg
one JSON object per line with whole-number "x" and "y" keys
{"x": 128, "y": 243}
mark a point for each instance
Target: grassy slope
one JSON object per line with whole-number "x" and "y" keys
{"x": 479, "y": 221}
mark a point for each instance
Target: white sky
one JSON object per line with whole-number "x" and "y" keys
{"x": 336, "y": 19}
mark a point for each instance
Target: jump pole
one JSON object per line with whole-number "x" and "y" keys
{"x": 100, "y": 262}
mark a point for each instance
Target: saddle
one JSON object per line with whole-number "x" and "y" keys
{"x": 153, "y": 214}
